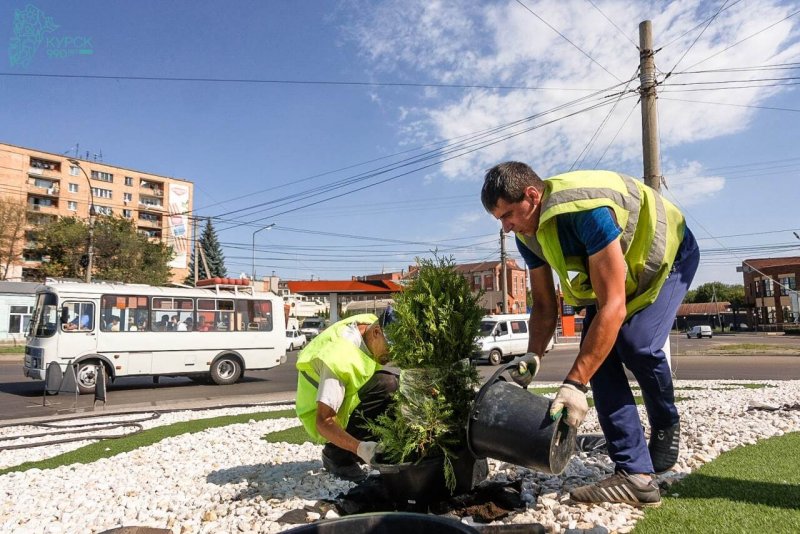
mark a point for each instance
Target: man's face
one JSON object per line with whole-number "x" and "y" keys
{"x": 519, "y": 216}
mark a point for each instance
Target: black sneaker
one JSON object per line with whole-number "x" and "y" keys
{"x": 664, "y": 447}
{"x": 350, "y": 471}
{"x": 619, "y": 487}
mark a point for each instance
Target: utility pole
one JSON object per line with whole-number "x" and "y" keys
{"x": 503, "y": 271}
{"x": 195, "y": 240}
{"x": 647, "y": 90}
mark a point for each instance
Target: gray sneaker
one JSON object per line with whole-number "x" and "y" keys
{"x": 664, "y": 446}
{"x": 619, "y": 487}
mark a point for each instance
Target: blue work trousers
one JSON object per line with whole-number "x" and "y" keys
{"x": 639, "y": 347}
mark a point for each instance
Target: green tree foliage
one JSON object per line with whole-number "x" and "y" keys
{"x": 12, "y": 233}
{"x": 120, "y": 252}
{"x": 733, "y": 293}
{"x": 214, "y": 256}
{"x": 437, "y": 319}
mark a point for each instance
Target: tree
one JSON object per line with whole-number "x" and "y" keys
{"x": 121, "y": 253}
{"x": 213, "y": 253}
{"x": 12, "y": 233}
{"x": 437, "y": 319}
{"x": 717, "y": 291}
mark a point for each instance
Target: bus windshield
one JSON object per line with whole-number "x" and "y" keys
{"x": 487, "y": 327}
{"x": 45, "y": 316}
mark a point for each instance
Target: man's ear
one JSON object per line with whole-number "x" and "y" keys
{"x": 533, "y": 194}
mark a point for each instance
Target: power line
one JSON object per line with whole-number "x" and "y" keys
{"x": 612, "y": 23}
{"x": 291, "y": 82}
{"x": 532, "y": 12}
{"x": 696, "y": 39}
{"x": 745, "y": 39}
{"x": 693, "y": 28}
{"x": 773, "y": 108}
{"x": 621, "y": 126}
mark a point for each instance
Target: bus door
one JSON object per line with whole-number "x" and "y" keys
{"x": 78, "y": 330}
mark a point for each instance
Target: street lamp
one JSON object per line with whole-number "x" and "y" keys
{"x": 90, "y": 252}
{"x": 269, "y": 226}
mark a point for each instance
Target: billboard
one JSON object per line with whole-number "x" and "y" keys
{"x": 178, "y": 236}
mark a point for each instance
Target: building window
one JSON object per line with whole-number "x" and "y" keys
{"x": 19, "y": 319}
{"x": 128, "y": 214}
{"x": 73, "y": 188}
{"x": 129, "y": 181}
{"x": 149, "y": 217}
{"x": 147, "y": 201}
{"x": 101, "y": 193}
{"x": 488, "y": 282}
{"x": 770, "y": 316}
{"x": 127, "y": 197}
{"x": 102, "y": 176}
{"x": 74, "y": 171}
{"x": 104, "y": 210}
{"x": 43, "y": 184}
{"x": 757, "y": 288}
{"x": 43, "y": 202}
{"x": 768, "y": 288}
{"x": 787, "y": 284}
{"x": 72, "y": 205}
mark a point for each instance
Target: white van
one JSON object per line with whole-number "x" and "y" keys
{"x": 504, "y": 336}
{"x": 700, "y": 331}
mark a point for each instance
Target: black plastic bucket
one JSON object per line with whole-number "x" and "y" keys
{"x": 511, "y": 424}
{"x": 423, "y": 481}
{"x": 387, "y": 523}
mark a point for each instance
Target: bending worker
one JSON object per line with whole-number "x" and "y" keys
{"x": 340, "y": 386}
{"x": 635, "y": 259}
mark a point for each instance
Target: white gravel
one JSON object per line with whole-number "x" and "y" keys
{"x": 230, "y": 480}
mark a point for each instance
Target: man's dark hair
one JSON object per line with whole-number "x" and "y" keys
{"x": 508, "y": 181}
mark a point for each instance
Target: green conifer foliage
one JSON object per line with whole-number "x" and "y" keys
{"x": 214, "y": 256}
{"x": 433, "y": 336}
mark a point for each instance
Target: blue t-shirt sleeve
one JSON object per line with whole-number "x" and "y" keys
{"x": 595, "y": 228}
{"x": 531, "y": 260}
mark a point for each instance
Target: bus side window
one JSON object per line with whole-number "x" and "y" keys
{"x": 80, "y": 314}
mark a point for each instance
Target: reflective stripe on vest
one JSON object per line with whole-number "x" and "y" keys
{"x": 647, "y": 269}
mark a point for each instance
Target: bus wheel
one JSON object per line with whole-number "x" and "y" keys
{"x": 226, "y": 370}
{"x": 86, "y": 376}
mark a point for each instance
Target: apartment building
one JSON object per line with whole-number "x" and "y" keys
{"x": 487, "y": 276}
{"x": 54, "y": 185}
{"x": 770, "y": 290}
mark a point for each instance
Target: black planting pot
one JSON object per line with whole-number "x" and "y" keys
{"x": 387, "y": 523}
{"x": 424, "y": 482}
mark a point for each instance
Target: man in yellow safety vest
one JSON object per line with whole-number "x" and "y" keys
{"x": 340, "y": 386}
{"x": 626, "y": 254}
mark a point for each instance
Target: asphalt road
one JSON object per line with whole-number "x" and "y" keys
{"x": 21, "y": 398}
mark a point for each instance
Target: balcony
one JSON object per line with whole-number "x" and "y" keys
{"x": 148, "y": 223}
{"x": 38, "y": 172}
{"x": 45, "y": 187}
{"x": 149, "y": 206}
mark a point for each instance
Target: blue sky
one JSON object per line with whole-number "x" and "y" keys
{"x": 730, "y": 164}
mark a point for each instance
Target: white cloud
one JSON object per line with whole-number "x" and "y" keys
{"x": 689, "y": 184}
{"x": 500, "y": 43}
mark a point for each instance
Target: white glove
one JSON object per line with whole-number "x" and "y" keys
{"x": 367, "y": 450}
{"x": 527, "y": 368}
{"x": 572, "y": 400}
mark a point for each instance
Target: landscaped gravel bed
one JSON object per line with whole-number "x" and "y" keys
{"x": 230, "y": 480}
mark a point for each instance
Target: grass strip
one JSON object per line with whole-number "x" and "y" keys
{"x": 295, "y": 435}
{"x": 12, "y": 349}
{"x": 747, "y": 489}
{"x": 111, "y": 447}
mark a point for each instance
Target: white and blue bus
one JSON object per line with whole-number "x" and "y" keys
{"x": 135, "y": 329}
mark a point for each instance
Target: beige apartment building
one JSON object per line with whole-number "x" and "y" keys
{"x": 53, "y": 185}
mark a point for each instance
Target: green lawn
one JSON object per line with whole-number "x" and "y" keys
{"x": 111, "y": 447}
{"x": 12, "y": 349}
{"x": 748, "y": 489}
{"x": 745, "y": 348}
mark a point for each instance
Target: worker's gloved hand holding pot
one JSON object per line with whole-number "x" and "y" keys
{"x": 570, "y": 398}
{"x": 527, "y": 369}
{"x": 367, "y": 451}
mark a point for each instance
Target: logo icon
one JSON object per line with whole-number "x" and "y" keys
{"x": 30, "y": 26}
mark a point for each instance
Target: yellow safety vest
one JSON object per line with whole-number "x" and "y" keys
{"x": 652, "y": 231}
{"x": 349, "y": 363}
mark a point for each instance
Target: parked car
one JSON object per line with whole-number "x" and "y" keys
{"x": 295, "y": 340}
{"x": 312, "y": 326}
{"x": 700, "y": 331}
{"x": 504, "y": 336}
